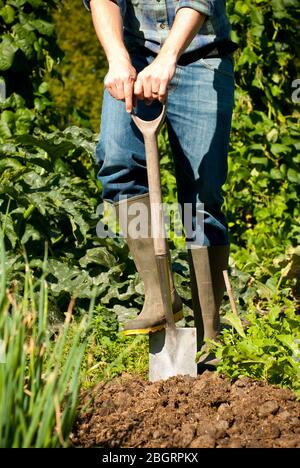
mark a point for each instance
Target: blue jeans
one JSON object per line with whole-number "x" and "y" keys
{"x": 199, "y": 112}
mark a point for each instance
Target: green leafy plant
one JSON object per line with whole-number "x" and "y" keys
{"x": 109, "y": 353}
{"x": 267, "y": 60}
{"x": 43, "y": 199}
{"x": 28, "y": 51}
{"x": 263, "y": 179}
{"x": 49, "y": 192}
{"x": 39, "y": 383}
{"x": 268, "y": 348}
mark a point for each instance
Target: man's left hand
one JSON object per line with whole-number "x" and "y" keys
{"x": 152, "y": 82}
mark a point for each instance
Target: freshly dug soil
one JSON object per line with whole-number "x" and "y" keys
{"x": 203, "y": 412}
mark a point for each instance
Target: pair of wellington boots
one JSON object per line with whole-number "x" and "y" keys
{"x": 206, "y": 273}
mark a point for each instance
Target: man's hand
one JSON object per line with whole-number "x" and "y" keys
{"x": 119, "y": 81}
{"x": 152, "y": 82}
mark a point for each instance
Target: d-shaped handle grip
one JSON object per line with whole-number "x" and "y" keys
{"x": 149, "y": 127}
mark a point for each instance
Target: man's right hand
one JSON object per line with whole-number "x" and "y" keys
{"x": 120, "y": 80}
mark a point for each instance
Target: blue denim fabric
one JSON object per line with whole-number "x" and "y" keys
{"x": 199, "y": 112}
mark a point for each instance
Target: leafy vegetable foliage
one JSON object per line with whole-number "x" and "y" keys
{"x": 28, "y": 51}
{"x": 49, "y": 193}
{"x": 269, "y": 348}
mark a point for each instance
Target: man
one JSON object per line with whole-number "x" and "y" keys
{"x": 179, "y": 51}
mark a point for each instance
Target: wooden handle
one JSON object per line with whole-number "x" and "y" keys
{"x": 155, "y": 195}
{"x": 150, "y": 130}
{"x": 150, "y": 127}
{"x": 229, "y": 292}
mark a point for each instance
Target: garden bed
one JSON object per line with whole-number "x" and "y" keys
{"x": 208, "y": 411}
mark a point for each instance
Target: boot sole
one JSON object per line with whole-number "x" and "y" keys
{"x": 145, "y": 331}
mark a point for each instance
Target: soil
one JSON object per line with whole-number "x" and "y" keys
{"x": 183, "y": 412}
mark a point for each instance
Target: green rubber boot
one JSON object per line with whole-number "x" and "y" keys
{"x": 133, "y": 214}
{"x": 207, "y": 286}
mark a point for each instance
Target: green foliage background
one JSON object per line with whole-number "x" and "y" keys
{"x": 48, "y": 187}
{"x": 78, "y": 92}
{"x": 28, "y": 51}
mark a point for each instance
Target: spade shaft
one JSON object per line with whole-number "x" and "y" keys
{"x": 157, "y": 221}
{"x": 173, "y": 350}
